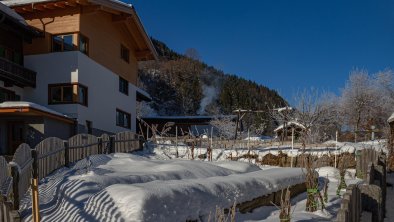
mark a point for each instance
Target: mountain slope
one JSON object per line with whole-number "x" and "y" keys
{"x": 183, "y": 85}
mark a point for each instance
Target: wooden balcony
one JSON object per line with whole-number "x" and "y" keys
{"x": 16, "y": 74}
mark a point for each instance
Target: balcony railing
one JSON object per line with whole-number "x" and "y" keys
{"x": 16, "y": 74}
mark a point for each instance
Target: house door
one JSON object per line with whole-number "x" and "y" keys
{"x": 16, "y": 135}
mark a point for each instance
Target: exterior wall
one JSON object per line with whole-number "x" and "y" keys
{"x": 58, "y": 129}
{"x": 105, "y": 37}
{"x": 105, "y": 43}
{"x": 103, "y": 88}
{"x": 52, "y": 22}
{"x": 104, "y": 96}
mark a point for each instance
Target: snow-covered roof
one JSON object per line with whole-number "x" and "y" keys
{"x": 23, "y": 104}
{"x": 11, "y": 13}
{"x": 290, "y": 123}
{"x": 145, "y": 95}
{"x": 287, "y": 108}
{"x": 188, "y": 117}
{"x": 391, "y": 119}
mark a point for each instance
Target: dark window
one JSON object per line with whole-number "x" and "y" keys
{"x": 63, "y": 43}
{"x": 67, "y": 94}
{"x": 67, "y": 42}
{"x": 57, "y": 44}
{"x": 83, "y": 95}
{"x": 123, "y": 119}
{"x": 123, "y": 86}
{"x": 124, "y": 53}
{"x": 83, "y": 44}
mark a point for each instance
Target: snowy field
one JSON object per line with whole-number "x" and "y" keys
{"x": 127, "y": 187}
{"x": 152, "y": 185}
{"x": 167, "y": 150}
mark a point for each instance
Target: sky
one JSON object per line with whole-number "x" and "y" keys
{"x": 285, "y": 45}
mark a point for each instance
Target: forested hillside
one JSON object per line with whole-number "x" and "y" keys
{"x": 184, "y": 85}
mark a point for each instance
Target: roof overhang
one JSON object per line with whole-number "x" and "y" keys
{"x": 30, "y": 109}
{"x": 121, "y": 11}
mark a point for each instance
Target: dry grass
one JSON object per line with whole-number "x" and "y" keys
{"x": 223, "y": 215}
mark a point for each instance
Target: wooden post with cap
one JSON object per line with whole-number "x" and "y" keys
{"x": 34, "y": 188}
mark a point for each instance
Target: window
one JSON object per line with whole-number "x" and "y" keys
{"x": 123, "y": 119}
{"x": 67, "y": 93}
{"x": 124, "y": 53}
{"x": 68, "y": 42}
{"x": 62, "y": 43}
{"x": 123, "y": 86}
{"x": 83, "y": 44}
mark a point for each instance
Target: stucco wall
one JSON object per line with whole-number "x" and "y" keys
{"x": 103, "y": 88}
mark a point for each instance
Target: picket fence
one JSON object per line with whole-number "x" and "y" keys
{"x": 369, "y": 195}
{"x": 49, "y": 155}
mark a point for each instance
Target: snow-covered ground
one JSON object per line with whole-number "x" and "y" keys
{"x": 127, "y": 187}
{"x": 167, "y": 150}
{"x": 152, "y": 185}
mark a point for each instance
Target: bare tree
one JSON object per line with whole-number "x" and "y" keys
{"x": 224, "y": 125}
{"x": 361, "y": 100}
{"x": 310, "y": 113}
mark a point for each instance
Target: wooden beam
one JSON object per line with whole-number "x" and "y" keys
{"x": 27, "y": 9}
{"x": 143, "y": 54}
{"x": 39, "y": 7}
{"x": 70, "y": 3}
{"x": 90, "y": 9}
{"x": 49, "y": 6}
{"x": 120, "y": 18}
{"x": 110, "y": 10}
{"x": 82, "y": 2}
{"x": 60, "y": 5}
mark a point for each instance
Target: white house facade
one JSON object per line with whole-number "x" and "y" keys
{"x": 85, "y": 64}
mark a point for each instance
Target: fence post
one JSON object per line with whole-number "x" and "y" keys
{"x": 15, "y": 185}
{"x": 66, "y": 154}
{"x": 34, "y": 187}
{"x": 100, "y": 145}
{"x": 111, "y": 144}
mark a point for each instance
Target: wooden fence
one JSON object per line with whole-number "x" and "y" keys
{"x": 7, "y": 214}
{"x": 369, "y": 195}
{"x": 50, "y": 155}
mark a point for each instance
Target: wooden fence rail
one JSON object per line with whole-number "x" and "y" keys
{"x": 52, "y": 154}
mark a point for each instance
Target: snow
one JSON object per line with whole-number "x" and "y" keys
{"x": 259, "y": 138}
{"x": 152, "y": 185}
{"x": 271, "y": 214}
{"x": 290, "y": 123}
{"x": 391, "y": 118}
{"x": 127, "y": 187}
{"x": 144, "y": 93}
{"x": 23, "y": 104}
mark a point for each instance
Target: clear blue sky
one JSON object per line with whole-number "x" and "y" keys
{"x": 285, "y": 45}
